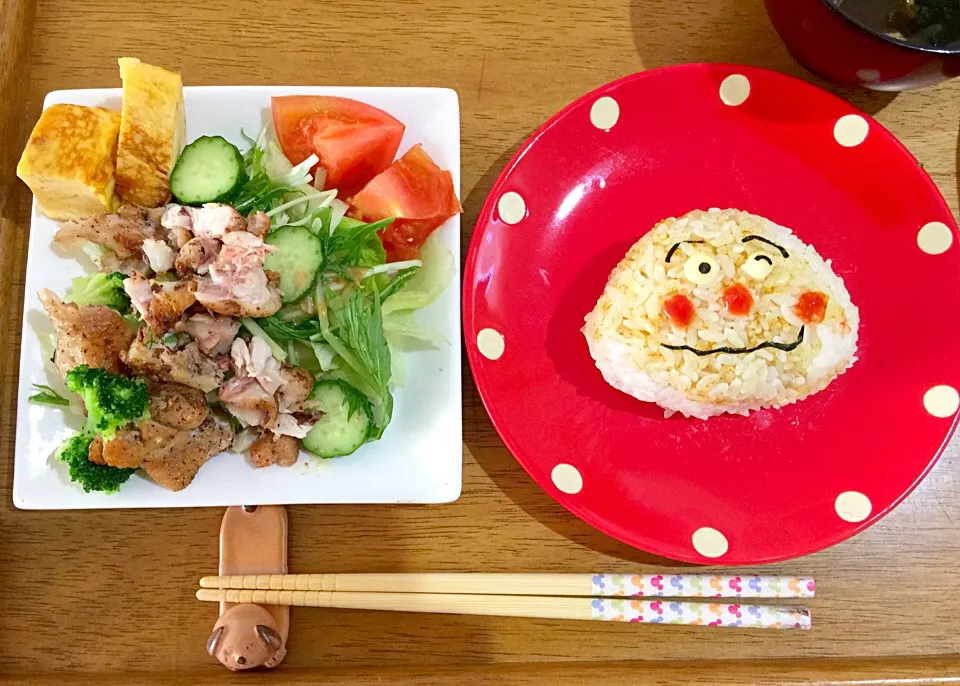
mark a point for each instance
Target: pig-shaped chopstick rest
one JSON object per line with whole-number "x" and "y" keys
{"x": 246, "y": 636}
{"x": 253, "y": 540}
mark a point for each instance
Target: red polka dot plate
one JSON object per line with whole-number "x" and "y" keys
{"x": 731, "y": 489}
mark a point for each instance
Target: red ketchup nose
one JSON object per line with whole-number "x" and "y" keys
{"x": 737, "y": 300}
{"x": 679, "y": 310}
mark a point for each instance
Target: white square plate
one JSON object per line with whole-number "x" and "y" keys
{"x": 419, "y": 458}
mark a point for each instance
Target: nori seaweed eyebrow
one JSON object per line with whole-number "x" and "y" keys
{"x": 677, "y": 245}
{"x": 767, "y": 241}
{"x": 785, "y": 347}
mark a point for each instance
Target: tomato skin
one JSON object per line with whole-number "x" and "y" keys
{"x": 353, "y": 140}
{"x": 679, "y": 310}
{"x": 417, "y": 194}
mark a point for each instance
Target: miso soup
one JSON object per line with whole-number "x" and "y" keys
{"x": 924, "y": 23}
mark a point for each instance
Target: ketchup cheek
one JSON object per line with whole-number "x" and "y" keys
{"x": 679, "y": 310}
{"x": 811, "y": 307}
{"x": 737, "y": 300}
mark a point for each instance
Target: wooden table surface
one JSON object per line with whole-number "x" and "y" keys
{"x": 111, "y": 592}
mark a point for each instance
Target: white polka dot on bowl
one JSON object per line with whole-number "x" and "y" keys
{"x": 567, "y": 478}
{"x": 512, "y": 208}
{"x": 709, "y": 542}
{"x": 734, "y": 90}
{"x": 490, "y": 343}
{"x": 604, "y": 113}
{"x": 941, "y": 401}
{"x": 851, "y": 130}
{"x": 935, "y": 238}
{"x": 852, "y": 506}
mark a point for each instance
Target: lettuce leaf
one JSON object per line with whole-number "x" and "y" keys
{"x": 430, "y": 280}
{"x": 403, "y": 332}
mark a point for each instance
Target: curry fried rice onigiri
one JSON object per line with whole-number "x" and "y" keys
{"x": 722, "y": 312}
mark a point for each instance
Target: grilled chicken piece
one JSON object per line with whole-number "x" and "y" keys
{"x": 130, "y": 446}
{"x": 178, "y": 217}
{"x": 264, "y": 393}
{"x": 270, "y": 450}
{"x": 180, "y": 237}
{"x": 109, "y": 263}
{"x": 213, "y": 334}
{"x": 256, "y": 360}
{"x": 161, "y": 304}
{"x": 93, "y": 335}
{"x": 246, "y": 400}
{"x": 188, "y": 366}
{"x": 159, "y": 255}
{"x": 123, "y": 232}
{"x": 196, "y": 255}
{"x": 291, "y": 425}
{"x": 258, "y": 224}
{"x": 175, "y": 467}
{"x": 297, "y": 384}
{"x": 176, "y": 405}
{"x": 95, "y": 451}
{"x": 169, "y": 456}
{"x": 237, "y": 285}
{"x": 213, "y": 220}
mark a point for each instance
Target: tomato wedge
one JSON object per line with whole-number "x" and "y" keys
{"x": 417, "y": 193}
{"x": 353, "y": 140}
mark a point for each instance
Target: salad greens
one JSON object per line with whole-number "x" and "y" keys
{"x": 100, "y": 289}
{"x": 270, "y": 177}
{"x": 360, "y": 312}
{"x": 47, "y": 396}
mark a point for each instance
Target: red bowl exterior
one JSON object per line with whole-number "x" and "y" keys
{"x": 771, "y": 482}
{"x": 826, "y": 42}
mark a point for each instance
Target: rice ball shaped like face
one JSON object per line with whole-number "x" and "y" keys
{"x": 722, "y": 311}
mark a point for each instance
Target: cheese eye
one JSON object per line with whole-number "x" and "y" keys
{"x": 701, "y": 269}
{"x": 758, "y": 266}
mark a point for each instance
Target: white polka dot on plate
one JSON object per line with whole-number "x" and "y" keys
{"x": 604, "y": 113}
{"x": 852, "y": 506}
{"x": 511, "y": 207}
{"x": 935, "y": 238}
{"x": 490, "y": 344}
{"x": 941, "y": 401}
{"x": 567, "y": 478}
{"x": 868, "y": 75}
{"x": 734, "y": 89}
{"x": 709, "y": 542}
{"x": 851, "y": 130}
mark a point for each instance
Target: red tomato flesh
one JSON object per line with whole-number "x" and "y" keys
{"x": 417, "y": 194}
{"x": 353, "y": 140}
{"x": 811, "y": 307}
{"x": 737, "y": 300}
{"x": 679, "y": 310}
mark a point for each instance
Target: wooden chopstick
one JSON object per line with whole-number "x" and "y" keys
{"x": 590, "y": 585}
{"x": 546, "y": 607}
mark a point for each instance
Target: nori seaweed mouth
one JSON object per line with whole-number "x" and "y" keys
{"x": 785, "y": 347}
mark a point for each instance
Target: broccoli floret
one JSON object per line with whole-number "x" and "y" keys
{"x": 112, "y": 401}
{"x": 92, "y": 477}
{"x": 100, "y": 289}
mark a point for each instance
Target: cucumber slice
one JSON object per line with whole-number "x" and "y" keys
{"x": 345, "y": 423}
{"x": 297, "y": 259}
{"x": 209, "y": 170}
